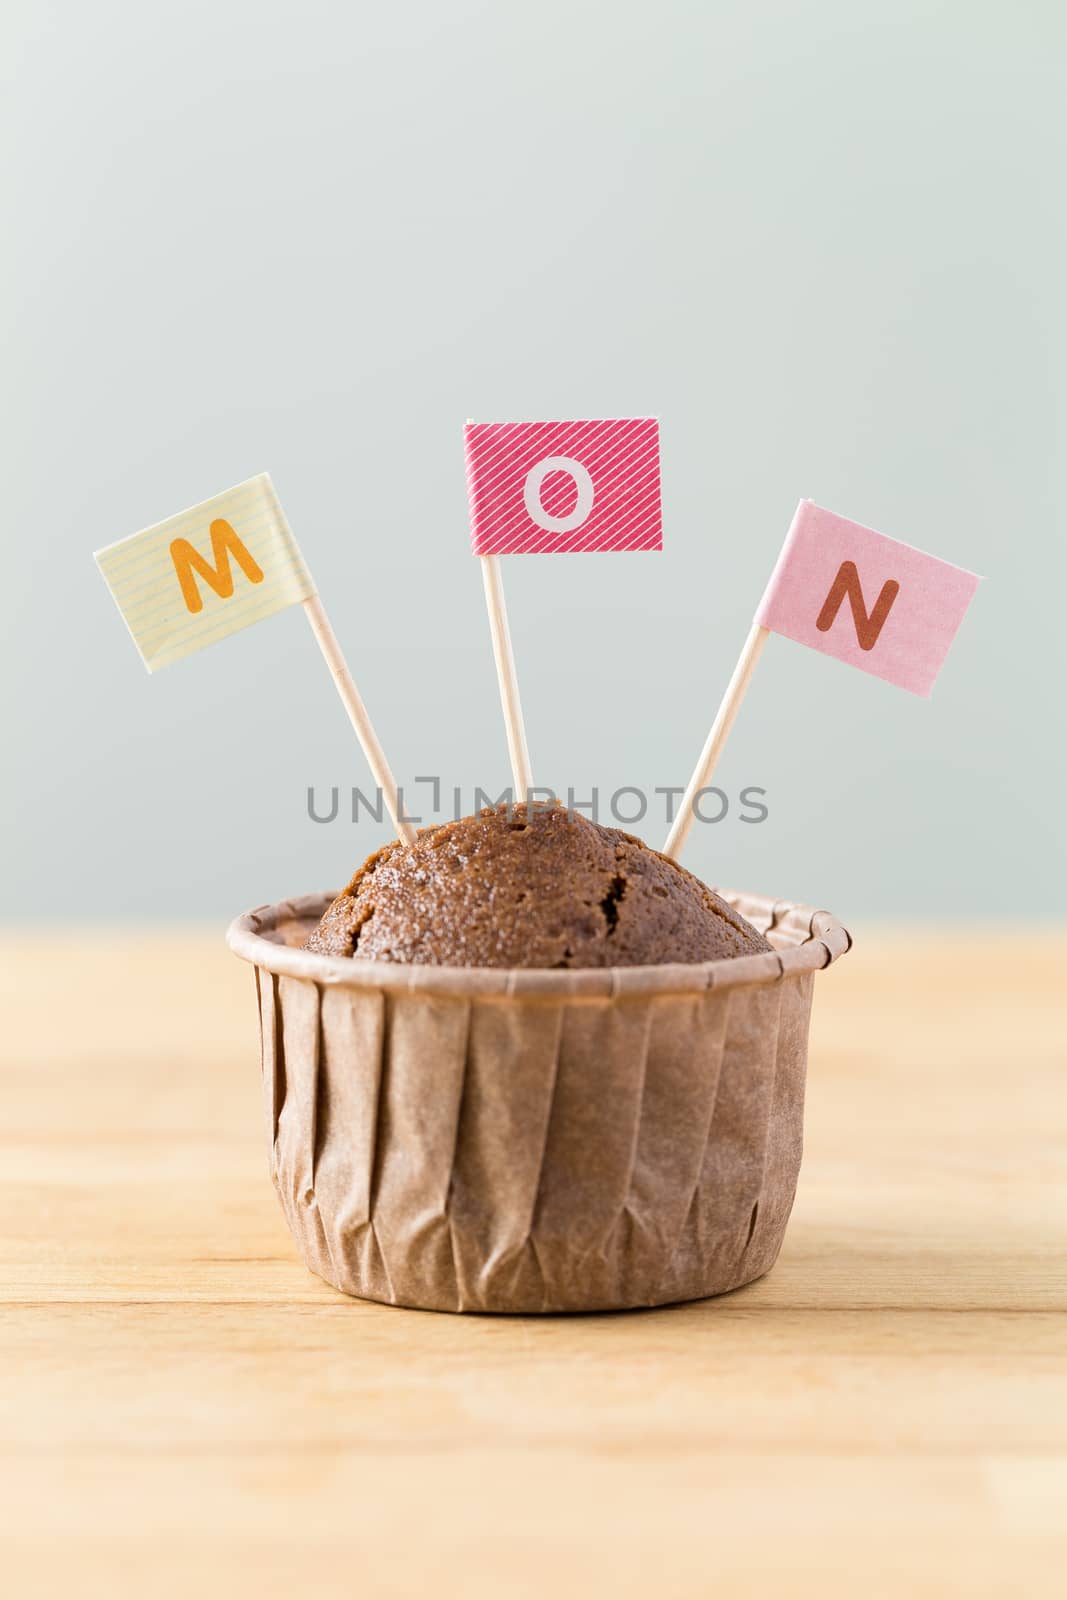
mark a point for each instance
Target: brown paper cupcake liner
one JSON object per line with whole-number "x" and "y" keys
{"x": 469, "y": 1139}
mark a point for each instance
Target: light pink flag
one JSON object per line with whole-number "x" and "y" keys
{"x": 552, "y": 488}
{"x": 852, "y": 593}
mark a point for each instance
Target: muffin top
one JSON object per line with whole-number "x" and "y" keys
{"x": 536, "y": 886}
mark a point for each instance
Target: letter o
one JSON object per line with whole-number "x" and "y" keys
{"x": 724, "y": 804}
{"x": 531, "y": 494}
{"x": 628, "y": 788}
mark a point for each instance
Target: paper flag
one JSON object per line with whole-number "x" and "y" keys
{"x": 540, "y": 488}
{"x": 206, "y": 573}
{"x": 874, "y": 603}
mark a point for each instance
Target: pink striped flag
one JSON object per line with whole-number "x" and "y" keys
{"x": 558, "y": 488}
{"x": 871, "y": 602}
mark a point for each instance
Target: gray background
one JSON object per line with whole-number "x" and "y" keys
{"x": 824, "y": 243}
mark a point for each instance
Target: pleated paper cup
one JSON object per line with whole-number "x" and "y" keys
{"x": 471, "y": 1139}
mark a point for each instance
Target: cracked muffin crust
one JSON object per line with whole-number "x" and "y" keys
{"x": 540, "y": 887}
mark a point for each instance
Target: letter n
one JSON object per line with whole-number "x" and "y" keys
{"x": 216, "y": 572}
{"x": 868, "y": 624}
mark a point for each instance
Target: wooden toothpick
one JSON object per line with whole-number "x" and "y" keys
{"x": 507, "y": 677}
{"x": 357, "y": 713}
{"x": 720, "y": 728}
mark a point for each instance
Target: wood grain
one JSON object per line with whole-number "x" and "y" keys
{"x": 184, "y": 1409}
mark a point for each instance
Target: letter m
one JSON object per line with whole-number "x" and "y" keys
{"x": 216, "y": 572}
{"x": 868, "y": 624}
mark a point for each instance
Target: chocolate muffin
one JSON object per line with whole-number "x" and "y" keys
{"x": 536, "y": 887}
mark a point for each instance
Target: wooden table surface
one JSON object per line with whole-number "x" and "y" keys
{"x": 185, "y": 1410}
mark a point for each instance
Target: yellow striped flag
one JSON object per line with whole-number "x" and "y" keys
{"x": 206, "y": 573}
